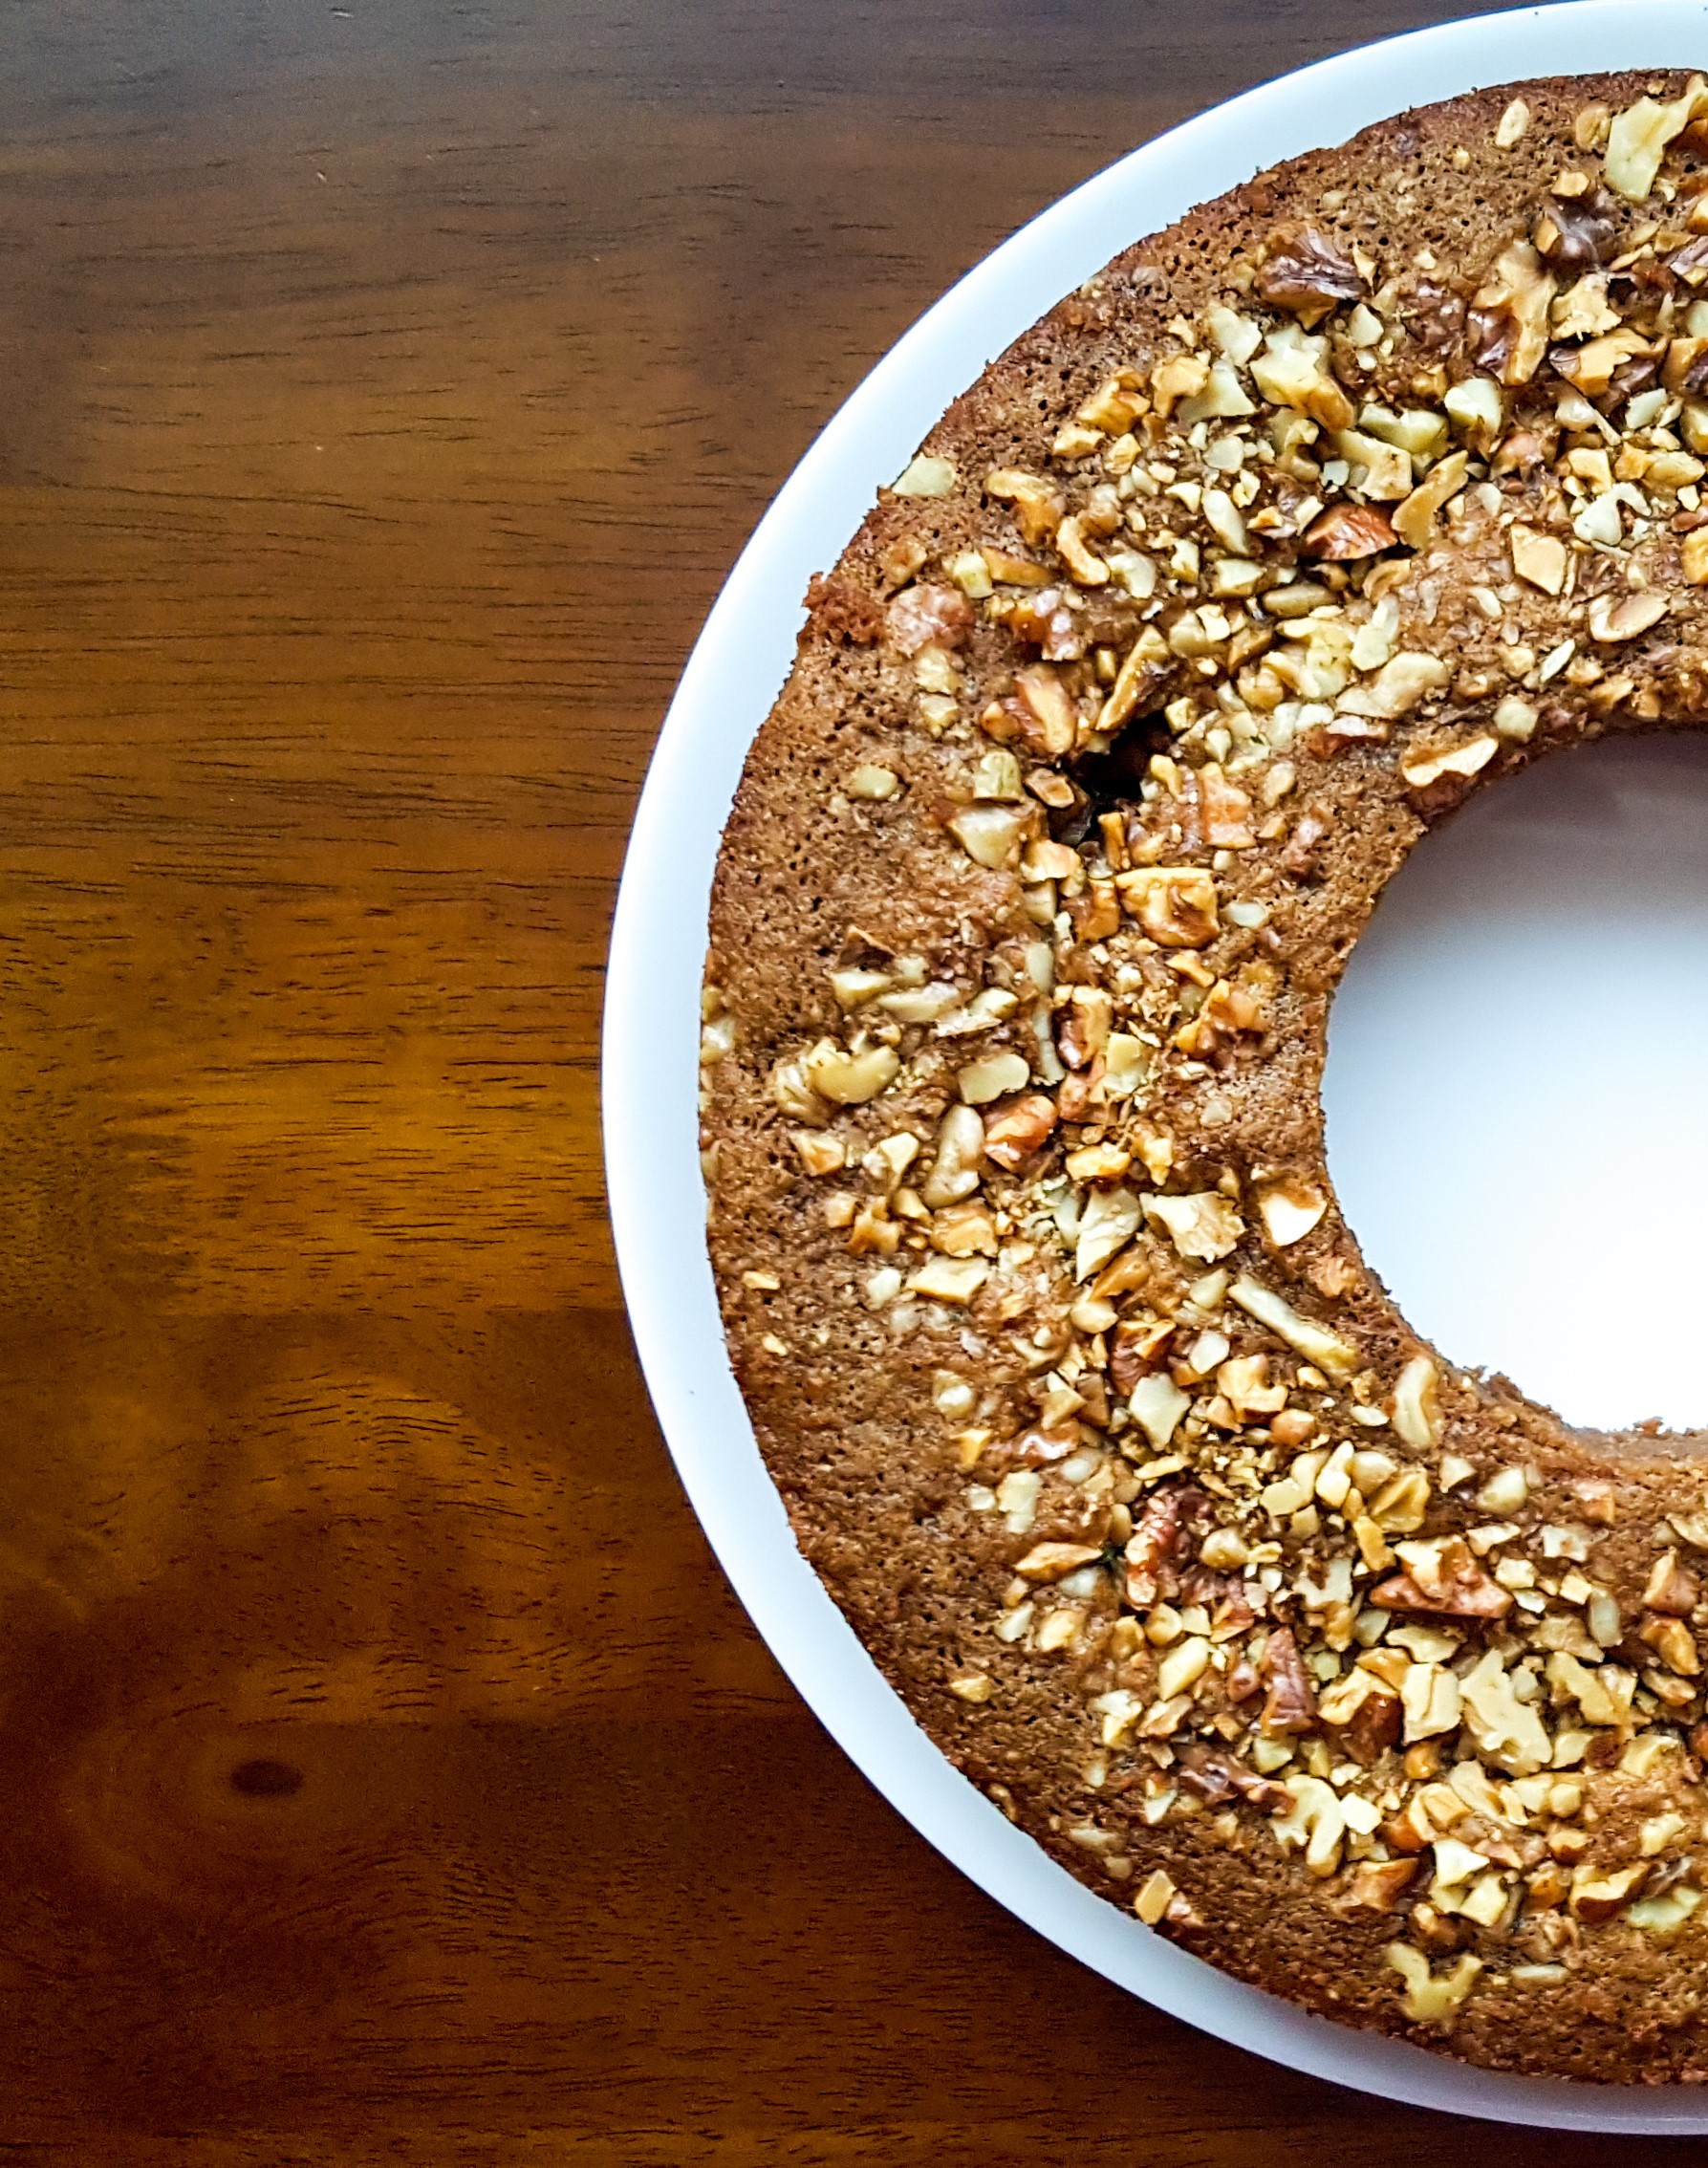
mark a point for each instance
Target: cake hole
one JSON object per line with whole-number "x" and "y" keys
{"x": 266, "y": 1779}
{"x": 1517, "y": 1085}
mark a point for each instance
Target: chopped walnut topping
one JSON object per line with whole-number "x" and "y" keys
{"x": 1508, "y": 322}
{"x": 1047, "y": 718}
{"x": 1416, "y": 1409}
{"x": 849, "y": 1079}
{"x": 991, "y": 834}
{"x": 950, "y": 1279}
{"x": 1290, "y": 1209}
{"x": 1397, "y": 687}
{"x": 1477, "y": 405}
{"x": 1430, "y": 1695}
{"x": 1116, "y": 404}
{"x": 1506, "y": 1731}
{"x": 1153, "y": 1898}
{"x": 1051, "y": 1561}
{"x": 1600, "y": 1893}
{"x": 954, "y": 1173}
{"x": 1181, "y": 377}
{"x": 1039, "y": 506}
{"x": 1603, "y": 1694}
{"x": 1670, "y": 1587}
{"x": 1316, "y": 1824}
{"x": 1305, "y": 272}
{"x": 1292, "y": 370}
{"x": 1512, "y": 124}
{"x": 1378, "y": 1886}
{"x": 1421, "y": 769}
{"x": 1016, "y": 1130}
{"x": 1344, "y": 532}
{"x": 1157, "y": 1405}
{"x": 1638, "y": 137}
{"x": 1202, "y": 1227}
{"x": 1175, "y": 905}
{"x": 1583, "y": 311}
{"x": 1537, "y": 557}
{"x": 1625, "y": 617}
{"x": 1397, "y": 1506}
{"x": 1110, "y": 1220}
{"x": 993, "y": 1078}
{"x": 1416, "y": 519}
{"x": 1289, "y": 1705}
{"x": 925, "y": 475}
{"x": 1442, "y": 1577}
{"x": 1214, "y": 1775}
{"x": 1158, "y": 1541}
{"x": 1309, "y": 1340}
{"x": 1433, "y": 1998}
{"x": 821, "y": 1151}
{"x": 938, "y": 615}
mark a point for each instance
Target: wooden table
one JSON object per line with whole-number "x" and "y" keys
{"x": 385, "y": 1771}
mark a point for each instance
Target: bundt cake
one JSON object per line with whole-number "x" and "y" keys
{"x": 1356, "y": 1673}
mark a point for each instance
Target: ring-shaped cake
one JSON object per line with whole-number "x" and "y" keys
{"x": 1358, "y": 1674}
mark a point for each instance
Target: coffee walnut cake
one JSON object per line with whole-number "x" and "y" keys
{"x": 1359, "y": 1675}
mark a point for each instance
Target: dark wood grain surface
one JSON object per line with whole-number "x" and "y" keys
{"x": 385, "y": 1771}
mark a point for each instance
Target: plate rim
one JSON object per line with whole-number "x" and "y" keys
{"x": 650, "y": 1027}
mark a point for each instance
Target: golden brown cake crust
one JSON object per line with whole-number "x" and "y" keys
{"x": 1360, "y": 1676}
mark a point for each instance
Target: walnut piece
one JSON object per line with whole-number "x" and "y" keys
{"x": 1599, "y": 1893}
{"x": 1293, "y": 371}
{"x": 1215, "y": 1777}
{"x": 1289, "y": 1209}
{"x": 924, "y": 614}
{"x": 1415, "y": 520}
{"x": 925, "y": 475}
{"x": 1512, "y": 124}
{"x": 1039, "y": 506}
{"x": 1537, "y": 557}
{"x": 1377, "y": 1885}
{"x": 1422, "y": 769}
{"x": 1397, "y": 687}
{"x": 1313, "y": 1341}
{"x": 1508, "y": 322}
{"x": 1175, "y": 905}
{"x": 1289, "y": 1705}
{"x": 1575, "y": 234}
{"x": 1158, "y": 1541}
{"x": 1012, "y": 1136}
{"x": 1638, "y": 137}
{"x": 1415, "y": 1410}
{"x": 1055, "y": 723}
{"x": 1429, "y": 1999}
{"x": 1442, "y": 1577}
{"x": 1671, "y": 1589}
{"x": 1317, "y": 1822}
{"x": 1344, "y": 532}
{"x": 1506, "y": 1731}
{"x": 849, "y": 1079}
{"x": 1626, "y": 616}
{"x": 1181, "y": 376}
{"x": 1202, "y": 1227}
{"x": 1307, "y": 274}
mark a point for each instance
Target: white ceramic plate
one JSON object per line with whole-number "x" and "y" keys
{"x": 651, "y": 1006}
